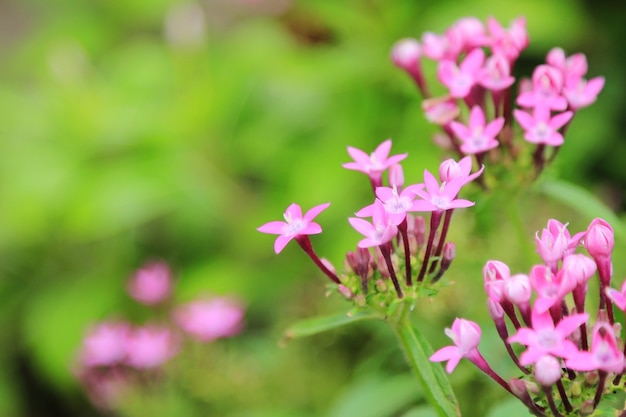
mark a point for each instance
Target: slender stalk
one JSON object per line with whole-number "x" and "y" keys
{"x": 307, "y": 247}
{"x": 548, "y": 392}
{"x": 601, "y": 381}
{"x": 442, "y": 239}
{"x": 407, "y": 252}
{"x": 435, "y": 220}
{"x": 564, "y": 398}
{"x": 385, "y": 249}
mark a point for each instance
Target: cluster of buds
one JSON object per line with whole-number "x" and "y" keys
{"x": 116, "y": 355}
{"x": 396, "y": 245}
{"x": 475, "y": 67}
{"x": 572, "y": 361}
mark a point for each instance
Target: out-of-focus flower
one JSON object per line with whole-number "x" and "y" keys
{"x": 478, "y": 136}
{"x": 150, "y": 347}
{"x": 460, "y": 79}
{"x": 105, "y": 344}
{"x": 151, "y": 284}
{"x": 210, "y": 319}
{"x": 465, "y": 335}
{"x": 374, "y": 164}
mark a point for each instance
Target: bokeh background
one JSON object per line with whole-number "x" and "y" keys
{"x": 161, "y": 129}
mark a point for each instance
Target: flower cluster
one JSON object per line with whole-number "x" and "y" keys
{"x": 395, "y": 241}
{"x": 568, "y": 350}
{"x": 115, "y": 354}
{"x": 475, "y": 67}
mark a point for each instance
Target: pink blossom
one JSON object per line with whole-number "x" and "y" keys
{"x": 441, "y": 110}
{"x": 151, "y": 284}
{"x": 465, "y": 335}
{"x": 541, "y": 128}
{"x": 105, "y": 344}
{"x": 494, "y": 275}
{"x": 517, "y": 289}
{"x": 207, "y": 320}
{"x": 496, "y": 73}
{"x": 460, "y": 79}
{"x": 544, "y": 338}
{"x": 570, "y": 66}
{"x": 511, "y": 42}
{"x": 150, "y": 347}
{"x": 582, "y": 93}
{"x": 450, "y": 170}
{"x": 438, "y": 47}
{"x": 471, "y": 33}
{"x": 579, "y": 267}
{"x": 599, "y": 239}
{"x": 374, "y": 164}
{"x": 440, "y": 197}
{"x": 550, "y": 288}
{"x": 547, "y": 370}
{"x": 396, "y": 205}
{"x": 477, "y": 137}
{"x": 605, "y": 354}
{"x": 406, "y": 54}
{"x": 618, "y": 297}
{"x": 294, "y": 225}
{"x": 377, "y": 233}
{"x": 547, "y": 84}
{"x": 553, "y": 243}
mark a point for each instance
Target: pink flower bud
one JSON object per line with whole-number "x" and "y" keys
{"x": 345, "y": 291}
{"x": 151, "y": 284}
{"x": 495, "y": 309}
{"x": 494, "y": 274}
{"x": 396, "y": 176}
{"x": 207, "y": 320}
{"x": 517, "y": 289}
{"x": 105, "y": 344}
{"x": 579, "y": 267}
{"x": 547, "y": 370}
{"x": 440, "y": 110}
{"x": 406, "y": 54}
{"x": 599, "y": 240}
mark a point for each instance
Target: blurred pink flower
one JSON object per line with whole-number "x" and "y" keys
{"x": 478, "y": 136}
{"x": 374, "y": 164}
{"x": 382, "y": 229}
{"x": 465, "y": 335}
{"x": 461, "y": 78}
{"x": 151, "y": 284}
{"x": 150, "y": 347}
{"x": 207, "y": 320}
{"x": 605, "y": 353}
{"x": 105, "y": 344}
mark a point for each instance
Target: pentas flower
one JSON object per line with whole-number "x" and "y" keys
{"x": 570, "y": 66}
{"x": 547, "y": 370}
{"x": 450, "y": 170}
{"x": 599, "y": 239}
{"x": 441, "y": 110}
{"x": 396, "y": 205}
{"x": 509, "y": 43}
{"x": 105, "y": 344}
{"x": 604, "y": 355}
{"x": 618, "y": 297}
{"x": 460, "y": 79}
{"x": 544, "y": 338}
{"x": 295, "y": 225}
{"x": 553, "y": 243}
{"x": 465, "y": 335}
{"x": 150, "y": 347}
{"x": 151, "y": 284}
{"x": 582, "y": 93}
{"x": 471, "y": 31}
{"x": 547, "y": 85}
{"x": 382, "y": 231}
{"x": 478, "y": 136}
{"x": 494, "y": 275}
{"x": 439, "y": 47}
{"x": 541, "y": 127}
{"x": 374, "y": 164}
{"x": 495, "y": 75}
{"x": 210, "y": 319}
{"x": 550, "y": 288}
{"x": 438, "y": 197}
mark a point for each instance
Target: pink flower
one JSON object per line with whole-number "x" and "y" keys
{"x": 471, "y": 32}
{"x": 440, "y": 110}
{"x": 151, "y": 284}
{"x": 599, "y": 239}
{"x": 547, "y": 370}
{"x": 511, "y": 42}
{"x": 605, "y": 354}
{"x": 377, "y": 233}
{"x": 440, "y": 197}
{"x": 553, "y": 244}
{"x": 374, "y": 164}
{"x": 495, "y": 273}
{"x": 406, "y": 54}
{"x": 105, "y": 344}
{"x": 478, "y": 137}
{"x": 460, "y": 79}
{"x": 579, "y": 267}
{"x": 294, "y": 225}
{"x": 547, "y": 85}
{"x": 496, "y": 73}
{"x": 618, "y": 297}
{"x": 207, "y": 320}
{"x": 395, "y": 204}
{"x": 450, "y": 170}
{"x": 150, "y": 347}
{"x": 582, "y": 93}
{"x": 547, "y": 339}
{"x": 541, "y": 128}
{"x": 550, "y": 288}
{"x": 517, "y": 289}
{"x": 438, "y": 47}
{"x": 574, "y": 65}
{"x": 465, "y": 335}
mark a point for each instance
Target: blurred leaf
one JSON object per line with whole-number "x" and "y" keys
{"x": 376, "y": 396}
{"x": 511, "y": 407}
{"x": 583, "y": 201}
{"x": 420, "y": 412}
{"x": 317, "y": 325}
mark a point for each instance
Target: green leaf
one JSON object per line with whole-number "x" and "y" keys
{"x": 582, "y": 201}
{"x": 317, "y": 325}
{"x": 432, "y": 377}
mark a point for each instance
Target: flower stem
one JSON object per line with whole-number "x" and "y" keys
{"x": 307, "y": 247}
{"x": 435, "y": 220}
{"x": 442, "y": 239}
{"x": 385, "y": 249}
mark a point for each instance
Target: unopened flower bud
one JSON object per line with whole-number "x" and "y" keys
{"x": 381, "y": 286}
{"x": 420, "y": 231}
{"x": 591, "y": 379}
{"x": 396, "y": 176}
{"x": 517, "y": 289}
{"x": 345, "y": 291}
{"x": 587, "y": 408}
{"x": 151, "y": 284}
{"x": 547, "y": 370}
{"x": 495, "y": 310}
{"x": 406, "y": 54}
{"x": 449, "y": 252}
{"x": 599, "y": 239}
{"x": 575, "y": 389}
{"x": 440, "y": 110}
{"x": 329, "y": 265}
{"x": 359, "y": 300}
{"x": 579, "y": 267}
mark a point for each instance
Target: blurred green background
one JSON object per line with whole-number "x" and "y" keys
{"x": 161, "y": 129}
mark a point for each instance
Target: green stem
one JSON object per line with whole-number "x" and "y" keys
{"x": 432, "y": 377}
